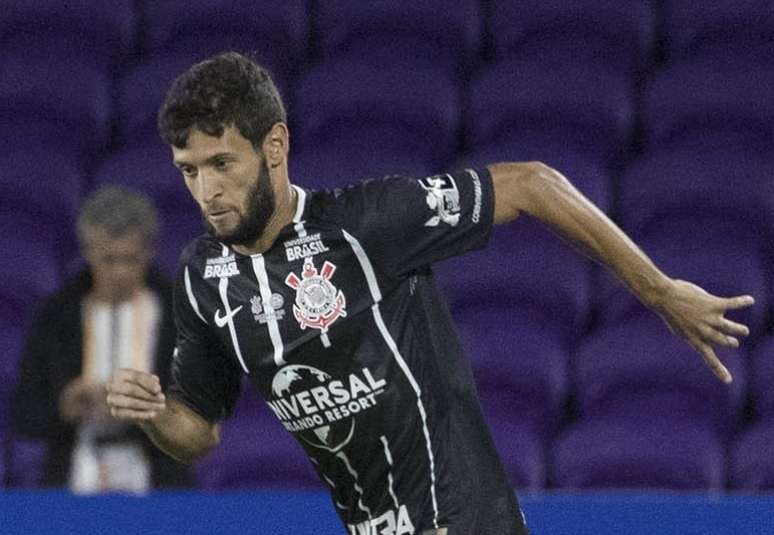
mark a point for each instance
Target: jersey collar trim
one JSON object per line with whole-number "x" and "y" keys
{"x": 301, "y": 203}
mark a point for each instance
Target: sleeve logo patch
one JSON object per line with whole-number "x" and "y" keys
{"x": 443, "y": 198}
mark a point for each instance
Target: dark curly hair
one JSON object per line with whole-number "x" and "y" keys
{"x": 226, "y": 90}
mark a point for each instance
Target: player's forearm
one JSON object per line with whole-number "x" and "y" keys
{"x": 181, "y": 433}
{"x": 546, "y": 194}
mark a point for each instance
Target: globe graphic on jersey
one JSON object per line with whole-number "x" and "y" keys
{"x": 297, "y": 378}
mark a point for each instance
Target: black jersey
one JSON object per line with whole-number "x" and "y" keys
{"x": 342, "y": 329}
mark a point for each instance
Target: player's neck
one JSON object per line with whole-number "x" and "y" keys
{"x": 287, "y": 200}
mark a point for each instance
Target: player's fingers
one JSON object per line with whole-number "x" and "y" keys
{"x": 120, "y": 401}
{"x": 713, "y": 362}
{"x": 711, "y": 335}
{"x": 148, "y": 382}
{"x": 732, "y": 327}
{"x": 131, "y": 414}
{"x": 131, "y": 389}
{"x": 740, "y": 301}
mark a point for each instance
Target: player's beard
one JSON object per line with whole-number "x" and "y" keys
{"x": 261, "y": 204}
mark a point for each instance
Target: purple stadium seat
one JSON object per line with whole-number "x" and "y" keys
{"x": 103, "y": 31}
{"x": 751, "y": 465}
{"x": 743, "y": 27}
{"x": 63, "y": 89}
{"x": 337, "y": 162}
{"x": 256, "y": 452}
{"x": 142, "y": 89}
{"x": 590, "y": 176}
{"x": 520, "y": 365}
{"x": 44, "y": 181}
{"x": 276, "y": 29}
{"x": 639, "y": 450}
{"x": 733, "y": 184}
{"x": 149, "y": 169}
{"x": 527, "y": 268}
{"x": 178, "y": 228}
{"x": 437, "y": 32}
{"x": 639, "y": 367}
{"x": 348, "y": 99}
{"x": 762, "y": 377}
{"x": 720, "y": 254}
{"x": 522, "y": 451}
{"x": 11, "y": 339}
{"x": 23, "y": 288}
{"x": 21, "y": 131}
{"x": 54, "y": 235}
{"x": 711, "y": 104}
{"x": 581, "y": 107}
{"x": 618, "y": 34}
{"x": 27, "y": 457}
{"x": 12, "y": 330}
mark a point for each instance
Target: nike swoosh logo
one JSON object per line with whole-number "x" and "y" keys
{"x": 222, "y": 321}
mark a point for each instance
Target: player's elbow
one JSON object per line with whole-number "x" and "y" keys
{"x": 195, "y": 449}
{"x": 208, "y": 442}
{"x": 520, "y": 186}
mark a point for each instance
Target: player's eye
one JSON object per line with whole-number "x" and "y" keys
{"x": 222, "y": 165}
{"x": 187, "y": 171}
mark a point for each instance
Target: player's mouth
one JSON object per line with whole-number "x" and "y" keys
{"x": 217, "y": 214}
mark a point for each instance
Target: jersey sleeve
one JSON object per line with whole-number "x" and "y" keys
{"x": 202, "y": 376}
{"x": 406, "y": 223}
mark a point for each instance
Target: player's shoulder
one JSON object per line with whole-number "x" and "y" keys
{"x": 198, "y": 251}
{"x": 327, "y": 203}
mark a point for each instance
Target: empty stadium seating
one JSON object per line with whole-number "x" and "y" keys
{"x": 660, "y": 112}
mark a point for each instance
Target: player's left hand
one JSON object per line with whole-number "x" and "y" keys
{"x": 699, "y": 317}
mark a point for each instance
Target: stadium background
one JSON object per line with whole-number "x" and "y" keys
{"x": 660, "y": 111}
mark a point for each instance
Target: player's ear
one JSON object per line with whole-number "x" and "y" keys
{"x": 276, "y": 144}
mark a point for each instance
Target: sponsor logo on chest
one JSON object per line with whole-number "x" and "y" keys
{"x": 221, "y": 266}
{"x": 305, "y": 247}
{"x": 319, "y": 408}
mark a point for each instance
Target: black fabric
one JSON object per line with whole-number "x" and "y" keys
{"x": 204, "y": 377}
{"x": 343, "y": 331}
{"x": 53, "y": 357}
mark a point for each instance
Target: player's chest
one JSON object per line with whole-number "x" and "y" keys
{"x": 300, "y": 296}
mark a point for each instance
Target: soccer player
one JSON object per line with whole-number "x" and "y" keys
{"x": 327, "y": 301}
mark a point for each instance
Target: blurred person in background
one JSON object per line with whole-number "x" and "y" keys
{"x": 114, "y": 313}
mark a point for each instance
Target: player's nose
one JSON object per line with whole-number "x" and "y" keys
{"x": 209, "y": 187}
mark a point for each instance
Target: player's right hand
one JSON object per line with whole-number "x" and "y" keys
{"x": 135, "y": 395}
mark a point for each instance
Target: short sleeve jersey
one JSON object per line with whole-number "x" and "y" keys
{"x": 341, "y": 328}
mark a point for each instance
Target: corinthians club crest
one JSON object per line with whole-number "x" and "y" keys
{"x": 318, "y": 302}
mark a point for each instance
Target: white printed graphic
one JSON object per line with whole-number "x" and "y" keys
{"x": 443, "y": 198}
{"x": 263, "y": 312}
{"x": 320, "y": 409}
{"x": 222, "y": 321}
{"x": 304, "y": 247}
{"x": 477, "y": 196}
{"x": 389, "y": 523}
{"x": 222, "y": 266}
{"x": 318, "y": 303}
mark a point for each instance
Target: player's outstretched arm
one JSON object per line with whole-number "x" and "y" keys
{"x": 175, "y": 429}
{"x": 699, "y": 317}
